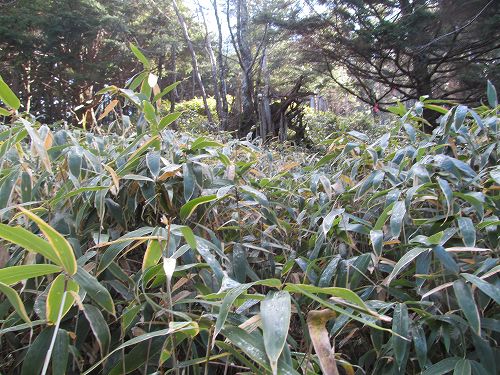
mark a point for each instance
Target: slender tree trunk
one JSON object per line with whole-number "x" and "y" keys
{"x": 242, "y": 33}
{"x": 213, "y": 65}
{"x": 222, "y": 72}
{"x": 266, "y": 102}
{"x": 194, "y": 61}
{"x": 27, "y": 85}
{"x": 173, "y": 96}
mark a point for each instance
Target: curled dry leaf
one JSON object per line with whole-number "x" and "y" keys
{"x": 316, "y": 321}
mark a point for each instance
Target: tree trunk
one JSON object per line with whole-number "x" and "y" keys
{"x": 173, "y": 96}
{"x": 242, "y": 33}
{"x": 266, "y": 102}
{"x": 222, "y": 72}
{"x": 194, "y": 61}
{"x": 213, "y": 65}
{"x": 420, "y": 72}
{"x": 27, "y": 85}
{"x": 423, "y": 85}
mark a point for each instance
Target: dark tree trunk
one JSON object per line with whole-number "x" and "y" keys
{"x": 173, "y": 96}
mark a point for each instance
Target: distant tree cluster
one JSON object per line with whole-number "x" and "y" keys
{"x": 267, "y": 55}
{"x": 62, "y": 52}
{"x": 403, "y": 49}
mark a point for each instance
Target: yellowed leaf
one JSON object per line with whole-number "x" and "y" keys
{"x": 170, "y": 171}
{"x": 108, "y": 109}
{"x": 49, "y": 140}
{"x": 316, "y": 322}
{"x": 114, "y": 177}
{"x": 289, "y": 166}
{"x": 156, "y": 91}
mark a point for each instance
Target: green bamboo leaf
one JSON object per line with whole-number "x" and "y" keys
{"x": 329, "y": 271}
{"x": 153, "y": 163}
{"x": 152, "y": 255}
{"x": 324, "y": 160}
{"x": 95, "y": 290}
{"x": 188, "y": 208}
{"x": 15, "y": 301}
{"x": 357, "y": 270}
{"x": 491, "y": 93}
{"x": 403, "y": 262}
{"x": 448, "y": 194}
{"x": 99, "y": 327}
{"x": 35, "y": 356}
{"x": 189, "y": 237}
{"x": 478, "y": 369}
{"x": 128, "y": 317}
{"x": 120, "y": 245}
{"x": 59, "y": 244}
{"x": 7, "y": 96}
{"x": 146, "y": 91}
{"x": 16, "y": 135}
{"x": 168, "y": 119}
{"x": 463, "y": 367}
{"x": 467, "y": 230}
{"x": 328, "y": 220}
{"x": 400, "y": 325}
{"x": 182, "y": 326}
{"x": 231, "y": 296}
{"x": 436, "y": 108}
{"x": 75, "y": 160}
{"x": 202, "y": 143}
{"x": 60, "y": 353}
{"x": 4, "y": 112}
{"x": 362, "y": 187}
{"x": 377, "y": 239}
{"x": 140, "y": 56}
{"x": 189, "y": 180}
{"x": 166, "y": 90}
{"x": 465, "y": 300}
{"x": 420, "y": 343}
{"x": 298, "y": 289}
{"x": 135, "y": 157}
{"x": 26, "y": 187}
{"x": 253, "y": 346}
{"x": 29, "y": 241}
{"x": 22, "y": 327}
{"x": 397, "y": 216}
{"x": 227, "y": 346}
{"x": 476, "y": 200}
{"x": 136, "y": 357}
{"x": 275, "y": 312}
{"x": 346, "y": 295}
{"x": 442, "y": 367}
{"x": 379, "y": 224}
{"x": 490, "y": 290}
{"x": 14, "y": 274}
{"x": 8, "y": 183}
{"x": 446, "y": 259}
{"x": 495, "y": 175}
{"x": 55, "y": 297}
